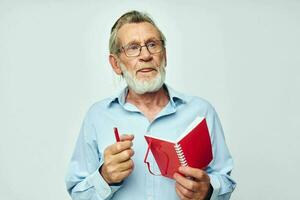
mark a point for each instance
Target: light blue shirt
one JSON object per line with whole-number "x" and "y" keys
{"x": 83, "y": 180}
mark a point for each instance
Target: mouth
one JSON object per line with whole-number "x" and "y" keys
{"x": 146, "y": 70}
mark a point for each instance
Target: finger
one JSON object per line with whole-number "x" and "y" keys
{"x": 126, "y": 137}
{"x": 186, "y": 182}
{"x": 185, "y": 192}
{"x": 120, "y": 176}
{"x": 181, "y": 196}
{"x": 118, "y": 147}
{"x": 123, "y": 156}
{"x": 127, "y": 165}
{"x": 196, "y": 173}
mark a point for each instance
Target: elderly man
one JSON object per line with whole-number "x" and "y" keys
{"x": 102, "y": 168}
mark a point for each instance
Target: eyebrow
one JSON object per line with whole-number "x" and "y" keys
{"x": 132, "y": 42}
{"x": 138, "y": 42}
{"x": 151, "y": 39}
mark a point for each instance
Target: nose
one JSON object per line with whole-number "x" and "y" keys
{"x": 145, "y": 55}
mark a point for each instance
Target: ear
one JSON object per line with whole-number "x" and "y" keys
{"x": 113, "y": 60}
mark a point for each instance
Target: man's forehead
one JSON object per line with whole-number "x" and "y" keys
{"x": 139, "y": 32}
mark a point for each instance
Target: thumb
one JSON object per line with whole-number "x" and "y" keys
{"x": 124, "y": 137}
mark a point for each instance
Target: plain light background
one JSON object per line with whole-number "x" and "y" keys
{"x": 242, "y": 56}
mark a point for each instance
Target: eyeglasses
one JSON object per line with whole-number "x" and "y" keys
{"x": 134, "y": 50}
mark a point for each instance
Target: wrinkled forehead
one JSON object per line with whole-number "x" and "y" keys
{"x": 137, "y": 32}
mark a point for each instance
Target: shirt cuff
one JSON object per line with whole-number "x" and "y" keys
{"x": 101, "y": 186}
{"x": 215, "y": 183}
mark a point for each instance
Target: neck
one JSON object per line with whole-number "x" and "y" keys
{"x": 148, "y": 100}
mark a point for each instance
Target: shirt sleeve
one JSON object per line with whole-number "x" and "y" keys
{"x": 221, "y": 166}
{"x": 83, "y": 180}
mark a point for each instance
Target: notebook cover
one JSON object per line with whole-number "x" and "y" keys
{"x": 196, "y": 146}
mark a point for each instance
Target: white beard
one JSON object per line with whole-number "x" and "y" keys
{"x": 144, "y": 86}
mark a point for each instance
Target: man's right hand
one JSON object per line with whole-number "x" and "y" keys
{"x": 117, "y": 160}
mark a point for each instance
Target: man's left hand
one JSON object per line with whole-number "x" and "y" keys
{"x": 195, "y": 184}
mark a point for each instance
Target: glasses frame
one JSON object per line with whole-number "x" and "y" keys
{"x": 141, "y": 46}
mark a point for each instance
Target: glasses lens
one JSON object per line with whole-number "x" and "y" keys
{"x": 132, "y": 50}
{"x": 154, "y": 46}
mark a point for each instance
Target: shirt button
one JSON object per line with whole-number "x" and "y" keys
{"x": 106, "y": 192}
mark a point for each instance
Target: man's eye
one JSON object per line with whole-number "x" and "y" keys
{"x": 151, "y": 44}
{"x": 133, "y": 47}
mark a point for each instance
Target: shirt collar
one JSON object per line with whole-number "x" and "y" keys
{"x": 176, "y": 98}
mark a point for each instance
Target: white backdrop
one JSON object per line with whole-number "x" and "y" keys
{"x": 243, "y": 56}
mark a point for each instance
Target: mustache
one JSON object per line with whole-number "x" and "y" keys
{"x": 150, "y": 66}
{"x": 142, "y": 66}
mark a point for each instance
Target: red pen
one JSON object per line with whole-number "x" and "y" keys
{"x": 117, "y": 134}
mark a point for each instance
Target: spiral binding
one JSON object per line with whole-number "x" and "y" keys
{"x": 180, "y": 155}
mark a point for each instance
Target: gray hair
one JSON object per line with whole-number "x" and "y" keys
{"x": 127, "y": 18}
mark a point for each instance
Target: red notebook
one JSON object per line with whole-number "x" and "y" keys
{"x": 192, "y": 148}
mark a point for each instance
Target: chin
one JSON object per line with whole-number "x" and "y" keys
{"x": 147, "y": 78}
